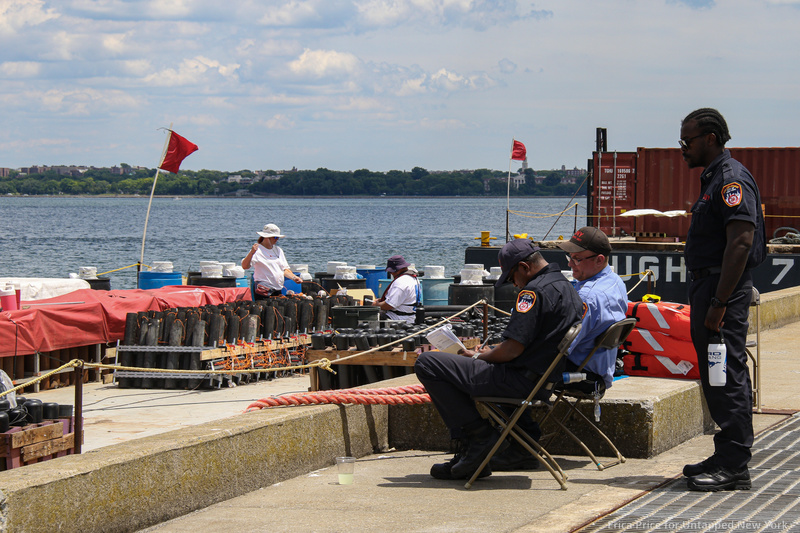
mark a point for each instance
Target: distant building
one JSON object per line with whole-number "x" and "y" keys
{"x": 5, "y": 172}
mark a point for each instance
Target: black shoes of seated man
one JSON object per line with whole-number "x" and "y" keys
{"x": 707, "y": 476}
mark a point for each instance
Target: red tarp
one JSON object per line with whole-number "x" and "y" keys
{"x": 88, "y": 316}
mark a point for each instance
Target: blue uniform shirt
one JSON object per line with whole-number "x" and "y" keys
{"x": 605, "y": 302}
{"x": 727, "y": 192}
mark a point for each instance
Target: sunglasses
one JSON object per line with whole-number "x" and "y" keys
{"x": 685, "y": 143}
{"x": 577, "y": 260}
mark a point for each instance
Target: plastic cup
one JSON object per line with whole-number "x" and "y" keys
{"x": 345, "y": 467}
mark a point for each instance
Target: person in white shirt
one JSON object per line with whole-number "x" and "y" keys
{"x": 269, "y": 264}
{"x": 400, "y": 299}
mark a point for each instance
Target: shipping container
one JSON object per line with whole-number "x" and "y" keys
{"x": 658, "y": 178}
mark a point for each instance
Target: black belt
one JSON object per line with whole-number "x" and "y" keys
{"x": 701, "y": 273}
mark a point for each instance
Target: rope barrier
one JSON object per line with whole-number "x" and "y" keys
{"x": 409, "y": 395}
{"x": 499, "y": 310}
{"x": 646, "y": 272}
{"x": 542, "y": 215}
{"x": 123, "y": 268}
{"x": 74, "y": 363}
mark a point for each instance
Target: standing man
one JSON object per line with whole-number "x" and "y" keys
{"x": 726, "y": 240}
{"x": 401, "y": 298}
{"x": 604, "y": 297}
{"x": 546, "y": 307}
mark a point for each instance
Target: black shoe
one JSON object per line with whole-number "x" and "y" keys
{"x": 480, "y": 442}
{"x": 515, "y": 457}
{"x": 445, "y": 470}
{"x": 699, "y": 468}
{"x": 720, "y": 478}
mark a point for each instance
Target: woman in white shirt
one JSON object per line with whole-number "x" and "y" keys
{"x": 269, "y": 264}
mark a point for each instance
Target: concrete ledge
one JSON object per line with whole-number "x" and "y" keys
{"x": 143, "y": 482}
{"x": 130, "y": 486}
{"x": 778, "y": 308}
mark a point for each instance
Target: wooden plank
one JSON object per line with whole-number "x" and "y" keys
{"x": 36, "y": 434}
{"x": 48, "y": 447}
{"x": 257, "y": 347}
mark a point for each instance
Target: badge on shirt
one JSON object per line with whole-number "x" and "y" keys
{"x": 732, "y": 194}
{"x": 585, "y": 310}
{"x": 525, "y": 301}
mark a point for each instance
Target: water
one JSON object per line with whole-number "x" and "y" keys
{"x": 51, "y": 237}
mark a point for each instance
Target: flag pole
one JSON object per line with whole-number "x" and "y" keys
{"x": 150, "y": 203}
{"x": 508, "y": 189}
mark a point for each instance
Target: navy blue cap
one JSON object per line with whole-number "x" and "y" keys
{"x": 512, "y": 253}
{"x": 395, "y": 263}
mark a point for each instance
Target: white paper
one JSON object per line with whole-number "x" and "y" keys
{"x": 444, "y": 340}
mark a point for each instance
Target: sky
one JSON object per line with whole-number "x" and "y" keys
{"x": 386, "y": 84}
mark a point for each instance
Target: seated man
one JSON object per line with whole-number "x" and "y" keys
{"x": 400, "y": 299}
{"x": 604, "y": 297}
{"x": 547, "y": 306}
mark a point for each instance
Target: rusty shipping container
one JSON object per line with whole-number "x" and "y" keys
{"x": 658, "y": 178}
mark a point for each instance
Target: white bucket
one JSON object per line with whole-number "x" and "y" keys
{"x": 298, "y": 268}
{"x": 472, "y": 276}
{"x": 345, "y": 272}
{"x": 434, "y": 271}
{"x": 211, "y": 271}
{"x": 161, "y": 266}
{"x": 473, "y": 266}
{"x": 494, "y": 273}
{"x": 227, "y": 265}
{"x": 235, "y": 271}
{"x": 208, "y": 263}
{"x": 333, "y": 264}
{"x": 365, "y": 267}
{"x": 87, "y": 272}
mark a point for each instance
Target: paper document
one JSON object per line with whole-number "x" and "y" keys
{"x": 444, "y": 340}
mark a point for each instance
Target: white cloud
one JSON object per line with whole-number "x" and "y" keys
{"x": 20, "y": 69}
{"x": 292, "y": 13}
{"x": 18, "y": 14}
{"x": 279, "y": 122}
{"x": 191, "y": 71}
{"x": 322, "y": 63}
{"x": 82, "y": 102}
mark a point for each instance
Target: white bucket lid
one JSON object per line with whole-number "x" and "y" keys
{"x": 434, "y": 271}
{"x": 227, "y": 265}
{"x": 87, "y": 272}
{"x": 333, "y": 264}
{"x": 211, "y": 271}
{"x": 494, "y": 272}
{"x": 235, "y": 271}
{"x": 161, "y": 266}
{"x": 208, "y": 263}
{"x": 473, "y": 266}
{"x": 299, "y": 268}
{"x": 365, "y": 267}
{"x": 345, "y": 272}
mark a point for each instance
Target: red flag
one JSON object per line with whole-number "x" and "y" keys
{"x": 518, "y": 152}
{"x": 178, "y": 150}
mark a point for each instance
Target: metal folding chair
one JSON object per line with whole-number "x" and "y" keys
{"x": 755, "y": 303}
{"x": 491, "y": 407}
{"x": 571, "y": 395}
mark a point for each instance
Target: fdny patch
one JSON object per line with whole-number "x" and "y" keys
{"x": 585, "y": 309}
{"x": 732, "y": 194}
{"x": 525, "y": 301}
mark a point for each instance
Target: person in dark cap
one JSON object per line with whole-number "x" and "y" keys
{"x": 604, "y": 295}
{"x": 401, "y": 298}
{"x": 546, "y": 307}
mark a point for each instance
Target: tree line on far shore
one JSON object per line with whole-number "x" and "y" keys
{"x": 319, "y": 182}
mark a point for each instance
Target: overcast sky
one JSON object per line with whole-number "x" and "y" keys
{"x": 386, "y": 84}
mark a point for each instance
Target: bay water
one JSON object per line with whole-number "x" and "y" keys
{"x": 51, "y": 237}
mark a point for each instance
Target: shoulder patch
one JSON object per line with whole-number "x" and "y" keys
{"x": 525, "y": 301}
{"x": 585, "y": 309}
{"x": 732, "y": 194}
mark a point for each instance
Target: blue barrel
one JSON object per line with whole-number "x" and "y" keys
{"x": 373, "y": 276}
{"x": 289, "y": 285}
{"x": 435, "y": 291}
{"x": 154, "y": 280}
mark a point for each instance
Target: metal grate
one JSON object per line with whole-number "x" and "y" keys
{"x": 773, "y": 504}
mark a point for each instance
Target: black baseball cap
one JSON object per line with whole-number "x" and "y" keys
{"x": 512, "y": 253}
{"x": 587, "y": 238}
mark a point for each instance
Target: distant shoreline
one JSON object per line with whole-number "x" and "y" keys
{"x": 205, "y": 196}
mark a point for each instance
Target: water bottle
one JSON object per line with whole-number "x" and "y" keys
{"x": 717, "y": 360}
{"x": 573, "y": 377}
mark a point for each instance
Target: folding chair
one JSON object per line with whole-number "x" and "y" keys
{"x": 587, "y": 390}
{"x": 489, "y": 405}
{"x": 755, "y": 303}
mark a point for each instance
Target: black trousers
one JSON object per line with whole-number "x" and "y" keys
{"x": 731, "y": 406}
{"x": 452, "y": 380}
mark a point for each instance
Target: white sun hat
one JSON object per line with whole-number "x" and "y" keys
{"x": 271, "y": 230}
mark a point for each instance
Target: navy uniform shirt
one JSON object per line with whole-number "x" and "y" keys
{"x": 727, "y": 192}
{"x": 545, "y": 310}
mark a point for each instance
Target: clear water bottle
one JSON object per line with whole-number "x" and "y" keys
{"x": 717, "y": 360}
{"x": 572, "y": 377}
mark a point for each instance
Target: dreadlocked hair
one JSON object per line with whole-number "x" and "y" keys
{"x": 710, "y": 121}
